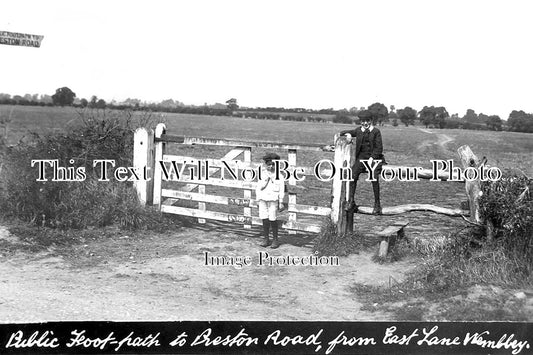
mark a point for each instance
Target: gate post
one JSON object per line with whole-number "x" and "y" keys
{"x": 143, "y": 158}
{"x": 159, "y": 150}
{"x": 339, "y": 190}
{"x": 473, "y": 188}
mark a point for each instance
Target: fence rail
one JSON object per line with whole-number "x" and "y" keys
{"x": 167, "y": 138}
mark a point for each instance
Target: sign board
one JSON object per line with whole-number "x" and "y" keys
{"x": 20, "y": 39}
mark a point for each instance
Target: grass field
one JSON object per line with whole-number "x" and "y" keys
{"x": 410, "y": 146}
{"x": 401, "y": 144}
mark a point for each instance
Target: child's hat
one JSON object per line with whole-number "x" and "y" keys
{"x": 365, "y": 115}
{"x": 271, "y": 156}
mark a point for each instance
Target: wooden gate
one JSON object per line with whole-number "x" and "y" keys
{"x": 150, "y": 150}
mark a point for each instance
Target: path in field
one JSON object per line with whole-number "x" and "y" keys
{"x": 441, "y": 142}
{"x": 164, "y": 277}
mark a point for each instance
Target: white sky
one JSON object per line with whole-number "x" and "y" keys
{"x": 316, "y": 54}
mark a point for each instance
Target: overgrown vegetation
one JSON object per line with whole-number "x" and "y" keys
{"x": 76, "y": 204}
{"x": 468, "y": 260}
{"x": 459, "y": 277}
{"x": 508, "y": 205}
{"x": 330, "y": 243}
{"x": 469, "y": 257}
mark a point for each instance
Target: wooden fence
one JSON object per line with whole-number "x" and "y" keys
{"x": 150, "y": 150}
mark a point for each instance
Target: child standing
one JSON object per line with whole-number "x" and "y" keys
{"x": 269, "y": 194}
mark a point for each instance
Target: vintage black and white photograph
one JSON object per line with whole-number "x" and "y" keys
{"x": 266, "y": 161}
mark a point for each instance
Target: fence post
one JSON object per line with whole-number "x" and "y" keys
{"x": 339, "y": 189}
{"x": 473, "y": 188}
{"x": 143, "y": 157}
{"x": 159, "y": 150}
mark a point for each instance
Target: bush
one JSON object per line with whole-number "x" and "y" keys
{"x": 467, "y": 257}
{"x": 508, "y": 205}
{"x": 75, "y": 204}
{"x": 452, "y": 123}
{"x": 474, "y": 126}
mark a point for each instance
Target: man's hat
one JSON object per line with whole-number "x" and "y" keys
{"x": 270, "y": 157}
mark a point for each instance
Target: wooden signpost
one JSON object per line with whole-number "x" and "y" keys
{"x": 20, "y": 39}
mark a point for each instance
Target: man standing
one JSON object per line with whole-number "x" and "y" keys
{"x": 368, "y": 145}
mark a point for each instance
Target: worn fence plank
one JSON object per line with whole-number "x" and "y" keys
{"x": 234, "y": 153}
{"x": 242, "y": 143}
{"x": 252, "y": 203}
{"x": 228, "y": 217}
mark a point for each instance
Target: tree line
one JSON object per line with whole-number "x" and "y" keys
{"x": 429, "y": 116}
{"x": 438, "y": 117}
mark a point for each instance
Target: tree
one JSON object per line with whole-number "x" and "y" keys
{"x": 63, "y": 96}
{"x": 101, "y": 104}
{"x": 470, "y": 116}
{"x": 232, "y": 104}
{"x": 169, "y": 103}
{"x": 46, "y": 99}
{"x": 84, "y": 102}
{"x": 441, "y": 116}
{"x": 393, "y": 116}
{"x": 407, "y": 115}
{"x": 520, "y": 121}
{"x": 354, "y": 111}
{"x": 132, "y": 102}
{"x": 494, "y": 123}
{"x": 378, "y": 112}
{"x": 427, "y": 115}
{"x": 94, "y": 100}
{"x": 482, "y": 118}
{"x": 436, "y": 116}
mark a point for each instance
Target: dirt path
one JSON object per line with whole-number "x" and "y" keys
{"x": 164, "y": 277}
{"x": 441, "y": 142}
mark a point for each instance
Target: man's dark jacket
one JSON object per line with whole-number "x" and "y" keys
{"x": 376, "y": 144}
